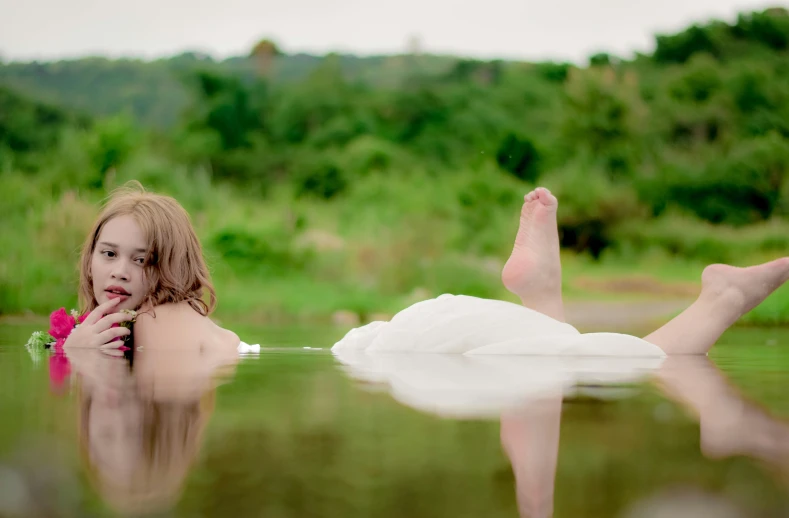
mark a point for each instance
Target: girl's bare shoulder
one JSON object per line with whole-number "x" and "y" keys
{"x": 165, "y": 316}
{"x": 179, "y": 324}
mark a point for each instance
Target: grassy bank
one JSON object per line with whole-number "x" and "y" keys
{"x": 380, "y": 247}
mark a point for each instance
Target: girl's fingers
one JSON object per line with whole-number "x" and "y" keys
{"x": 110, "y": 334}
{"x": 111, "y": 351}
{"x": 100, "y": 311}
{"x": 110, "y": 320}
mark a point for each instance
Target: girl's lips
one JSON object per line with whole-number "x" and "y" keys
{"x": 112, "y": 295}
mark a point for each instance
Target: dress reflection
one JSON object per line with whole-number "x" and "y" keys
{"x": 526, "y": 396}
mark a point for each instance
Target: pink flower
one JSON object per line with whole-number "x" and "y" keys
{"x": 59, "y": 370}
{"x": 61, "y": 324}
{"x": 58, "y": 347}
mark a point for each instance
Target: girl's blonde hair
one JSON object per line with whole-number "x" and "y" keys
{"x": 175, "y": 268}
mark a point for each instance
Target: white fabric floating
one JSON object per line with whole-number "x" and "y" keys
{"x": 460, "y": 324}
{"x": 463, "y": 356}
{"x": 245, "y": 348}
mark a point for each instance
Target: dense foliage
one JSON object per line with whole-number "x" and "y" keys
{"x": 685, "y": 151}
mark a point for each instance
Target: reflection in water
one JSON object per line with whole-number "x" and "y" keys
{"x": 729, "y": 424}
{"x": 141, "y": 423}
{"x": 530, "y": 437}
{"x": 526, "y": 394}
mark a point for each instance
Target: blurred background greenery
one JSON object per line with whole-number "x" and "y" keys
{"x": 326, "y": 184}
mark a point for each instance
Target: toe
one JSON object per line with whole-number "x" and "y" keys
{"x": 546, "y": 197}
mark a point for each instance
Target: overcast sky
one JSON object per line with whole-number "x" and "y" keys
{"x": 525, "y": 29}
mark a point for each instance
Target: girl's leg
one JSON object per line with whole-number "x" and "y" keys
{"x": 727, "y": 293}
{"x": 530, "y": 435}
{"x": 534, "y": 271}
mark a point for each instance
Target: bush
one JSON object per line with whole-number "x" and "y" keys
{"x": 110, "y": 143}
{"x": 270, "y": 251}
{"x": 487, "y": 207}
{"x": 770, "y": 28}
{"x": 320, "y": 178}
{"x": 604, "y": 117}
{"x": 681, "y": 47}
{"x": 191, "y": 186}
{"x": 684, "y": 236}
{"x": 740, "y": 188}
{"x": 39, "y": 273}
{"x": 519, "y": 157}
{"x": 27, "y": 126}
{"x": 698, "y": 81}
{"x": 591, "y": 206}
{"x": 368, "y": 154}
{"x": 554, "y": 72}
{"x": 601, "y": 59}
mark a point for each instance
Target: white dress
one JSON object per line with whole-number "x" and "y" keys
{"x": 485, "y": 356}
{"x": 460, "y": 324}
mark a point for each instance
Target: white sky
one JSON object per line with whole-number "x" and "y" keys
{"x": 526, "y": 29}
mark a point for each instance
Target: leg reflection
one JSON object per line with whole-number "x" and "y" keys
{"x": 729, "y": 424}
{"x": 530, "y": 437}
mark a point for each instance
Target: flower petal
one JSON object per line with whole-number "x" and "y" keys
{"x": 61, "y": 323}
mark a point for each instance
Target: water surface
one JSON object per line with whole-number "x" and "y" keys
{"x": 291, "y": 433}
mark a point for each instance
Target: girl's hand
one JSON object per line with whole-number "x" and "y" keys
{"x": 97, "y": 330}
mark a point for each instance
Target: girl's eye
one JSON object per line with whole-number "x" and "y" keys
{"x": 140, "y": 260}
{"x": 108, "y": 253}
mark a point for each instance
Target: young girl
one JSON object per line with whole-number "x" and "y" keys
{"x": 143, "y": 254}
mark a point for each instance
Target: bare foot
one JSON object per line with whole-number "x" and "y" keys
{"x": 739, "y": 290}
{"x": 534, "y": 272}
{"x": 727, "y": 293}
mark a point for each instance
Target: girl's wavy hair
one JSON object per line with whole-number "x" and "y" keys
{"x": 175, "y": 269}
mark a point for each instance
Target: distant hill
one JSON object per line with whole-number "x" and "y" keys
{"x": 155, "y": 92}
{"x": 27, "y": 125}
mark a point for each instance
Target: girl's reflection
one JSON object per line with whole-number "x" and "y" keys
{"x": 729, "y": 425}
{"x": 140, "y": 428}
{"x": 526, "y": 394}
{"x": 530, "y": 437}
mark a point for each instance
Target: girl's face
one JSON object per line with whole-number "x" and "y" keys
{"x": 117, "y": 263}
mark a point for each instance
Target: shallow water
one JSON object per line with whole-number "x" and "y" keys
{"x": 291, "y": 433}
